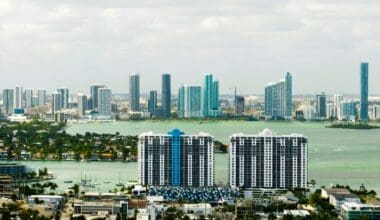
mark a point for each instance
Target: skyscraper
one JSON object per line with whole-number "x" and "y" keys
{"x": 56, "y": 102}
{"x": 104, "y": 102}
{"x": 176, "y": 159}
{"x": 166, "y": 95}
{"x": 134, "y": 92}
{"x": 64, "y": 97}
{"x": 364, "y": 92}
{"x": 193, "y": 102}
{"x": 8, "y": 100}
{"x": 239, "y": 108}
{"x": 268, "y": 160}
{"x": 338, "y": 98}
{"x": 18, "y": 100}
{"x": 152, "y": 102}
{"x": 321, "y": 106}
{"x": 28, "y": 98}
{"x": 278, "y": 98}
{"x": 181, "y": 102}
{"x": 82, "y": 105}
{"x": 210, "y": 97}
{"x": 94, "y": 95}
{"x": 41, "y": 93}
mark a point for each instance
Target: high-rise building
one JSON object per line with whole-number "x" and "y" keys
{"x": 41, "y": 93}
{"x": 210, "y": 97}
{"x": 330, "y": 110}
{"x": 104, "y": 102}
{"x": 364, "y": 92}
{"x": 376, "y": 113}
{"x": 321, "y": 106}
{"x": 82, "y": 105}
{"x": 64, "y": 97}
{"x": 28, "y": 94}
{"x": 190, "y": 103}
{"x": 278, "y": 98}
{"x": 94, "y": 96}
{"x": 347, "y": 110}
{"x": 18, "y": 100}
{"x": 239, "y": 105}
{"x": 8, "y": 101}
{"x": 268, "y": 160}
{"x": 181, "y": 102}
{"x": 176, "y": 159}
{"x": 166, "y": 95}
{"x": 56, "y": 102}
{"x": 152, "y": 103}
{"x": 134, "y": 92}
{"x": 338, "y": 98}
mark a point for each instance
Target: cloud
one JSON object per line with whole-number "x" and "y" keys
{"x": 244, "y": 43}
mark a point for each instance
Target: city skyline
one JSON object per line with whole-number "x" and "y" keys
{"x": 65, "y": 44}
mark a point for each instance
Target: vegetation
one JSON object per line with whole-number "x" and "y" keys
{"x": 46, "y": 140}
{"x": 352, "y": 125}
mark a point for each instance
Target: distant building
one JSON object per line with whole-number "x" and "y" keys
{"x": 347, "y": 110}
{"x": 94, "y": 96}
{"x": 56, "y": 102}
{"x": 82, "y": 105}
{"x": 364, "y": 92}
{"x": 268, "y": 160}
{"x": 152, "y": 103}
{"x": 28, "y": 93}
{"x": 239, "y": 105}
{"x": 41, "y": 94}
{"x": 210, "y": 97}
{"x": 278, "y": 98}
{"x": 190, "y": 102}
{"x": 104, "y": 102}
{"x": 18, "y": 100}
{"x": 337, "y": 100}
{"x": 176, "y": 159}
{"x": 64, "y": 97}
{"x": 134, "y": 92}
{"x": 330, "y": 110}
{"x": 321, "y": 106}
{"x": 8, "y": 101}
{"x": 376, "y": 113}
{"x": 166, "y": 95}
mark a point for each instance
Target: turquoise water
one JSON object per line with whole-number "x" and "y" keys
{"x": 341, "y": 156}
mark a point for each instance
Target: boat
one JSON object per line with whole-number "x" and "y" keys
{"x": 107, "y": 181}
{"x": 120, "y": 184}
{"x": 67, "y": 181}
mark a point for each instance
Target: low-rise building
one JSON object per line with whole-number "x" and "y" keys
{"x": 6, "y": 186}
{"x": 199, "y": 209}
{"x": 337, "y": 200}
{"x": 326, "y": 192}
{"x": 352, "y": 211}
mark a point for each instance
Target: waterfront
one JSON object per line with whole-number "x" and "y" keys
{"x": 341, "y": 156}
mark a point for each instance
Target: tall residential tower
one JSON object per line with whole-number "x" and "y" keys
{"x": 176, "y": 159}
{"x": 364, "y": 92}
{"x": 134, "y": 92}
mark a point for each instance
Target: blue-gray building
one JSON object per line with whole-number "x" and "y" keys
{"x": 364, "y": 92}
{"x": 134, "y": 92}
{"x": 176, "y": 159}
{"x": 189, "y": 102}
{"x": 13, "y": 170}
{"x": 93, "y": 105}
{"x": 166, "y": 95}
{"x": 64, "y": 97}
{"x": 210, "y": 97}
{"x": 152, "y": 102}
{"x": 8, "y": 100}
{"x": 321, "y": 106}
{"x": 278, "y": 98}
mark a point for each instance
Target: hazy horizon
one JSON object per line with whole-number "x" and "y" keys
{"x": 50, "y": 44}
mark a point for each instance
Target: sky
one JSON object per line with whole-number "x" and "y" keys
{"x": 244, "y": 43}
